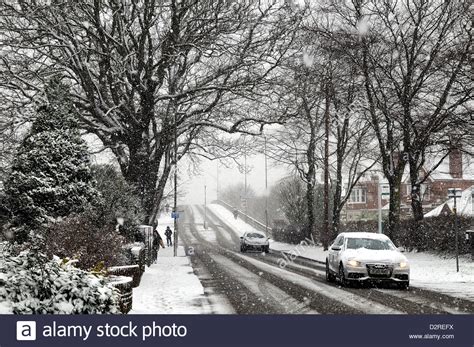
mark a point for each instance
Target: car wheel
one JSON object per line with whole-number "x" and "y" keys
{"x": 342, "y": 276}
{"x": 266, "y": 249}
{"x": 329, "y": 276}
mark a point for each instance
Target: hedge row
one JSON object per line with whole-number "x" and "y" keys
{"x": 432, "y": 234}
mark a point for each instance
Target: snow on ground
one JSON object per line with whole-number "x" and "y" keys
{"x": 237, "y": 225}
{"x": 208, "y": 234}
{"x": 433, "y": 272}
{"x": 170, "y": 287}
{"x": 302, "y": 250}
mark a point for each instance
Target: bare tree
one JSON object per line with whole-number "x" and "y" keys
{"x": 144, "y": 71}
{"x": 296, "y": 144}
{"x": 417, "y": 60}
{"x": 327, "y": 103}
{"x": 412, "y": 55}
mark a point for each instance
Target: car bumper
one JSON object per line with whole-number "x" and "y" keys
{"x": 362, "y": 274}
{"x": 255, "y": 245}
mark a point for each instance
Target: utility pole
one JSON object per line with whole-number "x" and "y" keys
{"x": 245, "y": 183}
{"x": 175, "y": 207}
{"x": 455, "y": 193}
{"x": 205, "y": 206}
{"x": 379, "y": 203}
{"x": 266, "y": 188}
{"x": 325, "y": 236}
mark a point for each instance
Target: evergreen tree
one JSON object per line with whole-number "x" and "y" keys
{"x": 51, "y": 175}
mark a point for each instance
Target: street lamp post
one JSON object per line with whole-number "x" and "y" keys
{"x": 455, "y": 193}
{"x": 175, "y": 202}
{"x": 266, "y": 188}
{"x": 205, "y": 206}
{"x": 379, "y": 200}
{"x": 217, "y": 181}
{"x": 245, "y": 183}
{"x": 380, "y": 194}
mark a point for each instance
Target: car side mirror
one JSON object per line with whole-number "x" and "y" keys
{"x": 401, "y": 249}
{"x": 335, "y": 248}
{"x": 241, "y": 237}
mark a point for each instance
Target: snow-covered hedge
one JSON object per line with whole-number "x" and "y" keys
{"x": 431, "y": 234}
{"x": 30, "y": 283}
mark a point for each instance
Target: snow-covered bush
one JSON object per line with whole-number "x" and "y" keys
{"x": 87, "y": 238}
{"x": 51, "y": 175}
{"x": 30, "y": 283}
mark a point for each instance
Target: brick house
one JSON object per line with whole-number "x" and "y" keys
{"x": 456, "y": 171}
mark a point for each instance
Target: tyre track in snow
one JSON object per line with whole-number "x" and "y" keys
{"x": 413, "y": 301}
{"x": 220, "y": 281}
{"x": 314, "y": 300}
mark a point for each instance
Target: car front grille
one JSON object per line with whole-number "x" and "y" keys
{"x": 379, "y": 270}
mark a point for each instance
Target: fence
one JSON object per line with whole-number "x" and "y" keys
{"x": 250, "y": 220}
{"x": 125, "y": 287}
{"x": 147, "y": 233}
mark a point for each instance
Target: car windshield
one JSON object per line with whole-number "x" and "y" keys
{"x": 374, "y": 244}
{"x": 255, "y": 236}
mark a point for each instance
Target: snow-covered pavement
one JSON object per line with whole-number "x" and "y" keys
{"x": 170, "y": 287}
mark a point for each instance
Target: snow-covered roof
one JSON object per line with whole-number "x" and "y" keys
{"x": 442, "y": 171}
{"x": 464, "y": 204}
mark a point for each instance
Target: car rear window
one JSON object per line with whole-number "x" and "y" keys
{"x": 374, "y": 244}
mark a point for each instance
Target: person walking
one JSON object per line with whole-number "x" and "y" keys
{"x": 168, "y": 234}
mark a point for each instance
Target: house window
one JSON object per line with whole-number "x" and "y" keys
{"x": 358, "y": 195}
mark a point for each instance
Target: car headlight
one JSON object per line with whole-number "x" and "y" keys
{"x": 353, "y": 262}
{"x": 403, "y": 264}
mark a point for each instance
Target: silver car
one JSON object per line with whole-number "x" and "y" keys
{"x": 254, "y": 240}
{"x": 358, "y": 257}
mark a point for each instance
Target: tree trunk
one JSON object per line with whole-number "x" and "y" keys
{"x": 325, "y": 236}
{"x": 416, "y": 198}
{"x": 416, "y": 202}
{"x": 142, "y": 173}
{"x": 394, "y": 208}
{"x": 310, "y": 206}
{"x": 336, "y": 221}
{"x": 337, "y": 196}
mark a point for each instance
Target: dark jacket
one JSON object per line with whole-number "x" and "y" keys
{"x": 168, "y": 232}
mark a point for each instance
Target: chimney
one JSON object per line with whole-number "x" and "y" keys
{"x": 455, "y": 163}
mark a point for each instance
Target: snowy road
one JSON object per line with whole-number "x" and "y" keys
{"x": 254, "y": 282}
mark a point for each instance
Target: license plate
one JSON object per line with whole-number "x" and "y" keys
{"x": 379, "y": 272}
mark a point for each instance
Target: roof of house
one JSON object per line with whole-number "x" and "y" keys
{"x": 442, "y": 171}
{"x": 464, "y": 204}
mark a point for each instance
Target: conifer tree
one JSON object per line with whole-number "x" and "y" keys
{"x": 51, "y": 175}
